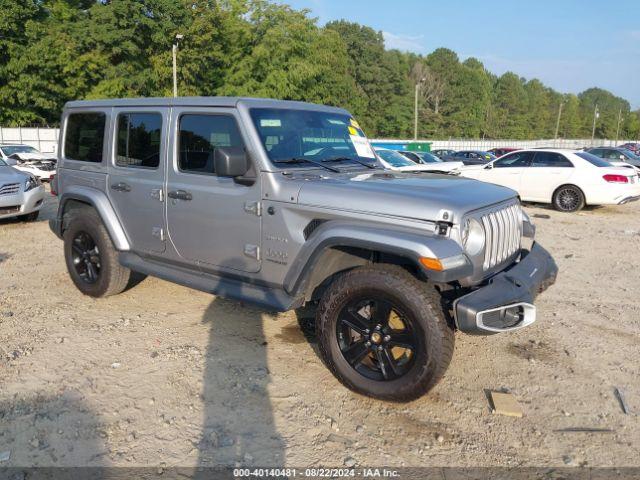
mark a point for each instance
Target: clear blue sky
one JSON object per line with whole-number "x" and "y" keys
{"x": 570, "y": 45}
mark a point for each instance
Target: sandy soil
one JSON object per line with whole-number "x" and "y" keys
{"x": 165, "y": 375}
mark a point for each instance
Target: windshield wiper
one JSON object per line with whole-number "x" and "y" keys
{"x": 344, "y": 159}
{"x": 303, "y": 160}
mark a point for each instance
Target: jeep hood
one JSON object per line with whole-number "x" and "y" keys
{"x": 410, "y": 195}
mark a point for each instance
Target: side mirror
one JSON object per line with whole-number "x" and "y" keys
{"x": 230, "y": 161}
{"x": 488, "y": 166}
{"x": 622, "y": 158}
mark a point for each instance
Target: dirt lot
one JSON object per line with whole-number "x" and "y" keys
{"x": 166, "y": 374}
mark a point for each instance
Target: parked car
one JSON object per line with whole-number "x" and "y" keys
{"x": 428, "y": 158}
{"x": 21, "y": 194}
{"x": 27, "y": 159}
{"x": 568, "y": 180}
{"x": 613, "y": 154}
{"x": 499, "y": 152}
{"x": 282, "y": 204}
{"x": 395, "y": 160}
{"x": 470, "y": 157}
{"x": 443, "y": 153}
{"x": 634, "y": 147}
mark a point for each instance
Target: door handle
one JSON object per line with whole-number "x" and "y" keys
{"x": 121, "y": 187}
{"x": 180, "y": 195}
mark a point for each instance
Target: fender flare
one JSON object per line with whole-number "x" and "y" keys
{"x": 397, "y": 241}
{"x": 100, "y": 202}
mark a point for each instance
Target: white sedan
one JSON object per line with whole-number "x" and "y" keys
{"x": 567, "y": 179}
{"x": 29, "y": 160}
{"x": 393, "y": 160}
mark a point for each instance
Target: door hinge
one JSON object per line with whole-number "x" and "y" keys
{"x": 252, "y": 251}
{"x": 157, "y": 194}
{"x": 158, "y": 232}
{"x": 254, "y": 208}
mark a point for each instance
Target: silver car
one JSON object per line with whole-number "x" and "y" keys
{"x": 21, "y": 194}
{"x": 284, "y": 204}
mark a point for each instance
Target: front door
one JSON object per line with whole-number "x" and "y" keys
{"x": 136, "y": 175}
{"x": 213, "y": 221}
{"x": 548, "y": 170}
{"x": 507, "y": 171}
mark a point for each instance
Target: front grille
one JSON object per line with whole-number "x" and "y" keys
{"x": 9, "y": 189}
{"x": 503, "y": 229}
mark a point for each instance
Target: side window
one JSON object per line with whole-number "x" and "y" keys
{"x": 612, "y": 155}
{"x": 200, "y": 135}
{"x": 518, "y": 159}
{"x": 598, "y": 152}
{"x": 461, "y": 154}
{"x": 84, "y": 137}
{"x": 139, "y": 137}
{"x": 551, "y": 159}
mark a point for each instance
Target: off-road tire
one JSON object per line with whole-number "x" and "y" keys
{"x": 30, "y": 217}
{"x": 113, "y": 278}
{"x": 420, "y": 299}
{"x": 577, "y": 203}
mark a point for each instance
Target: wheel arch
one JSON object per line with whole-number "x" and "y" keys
{"x": 84, "y": 197}
{"x": 338, "y": 247}
{"x": 568, "y": 184}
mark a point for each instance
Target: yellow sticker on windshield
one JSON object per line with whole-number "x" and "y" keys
{"x": 355, "y": 124}
{"x": 353, "y": 131}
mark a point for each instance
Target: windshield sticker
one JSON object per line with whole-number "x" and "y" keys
{"x": 270, "y": 123}
{"x": 363, "y": 149}
{"x": 355, "y": 124}
{"x": 353, "y": 131}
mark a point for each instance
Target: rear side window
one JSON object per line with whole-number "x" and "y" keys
{"x": 84, "y": 137}
{"x": 200, "y": 135}
{"x": 139, "y": 137}
{"x": 551, "y": 159}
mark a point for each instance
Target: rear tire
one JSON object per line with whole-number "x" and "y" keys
{"x": 383, "y": 333}
{"x": 92, "y": 260}
{"x": 568, "y": 198}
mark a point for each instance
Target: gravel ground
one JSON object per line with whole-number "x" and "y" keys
{"x": 166, "y": 375}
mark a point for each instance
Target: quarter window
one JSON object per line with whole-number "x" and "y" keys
{"x": 139, "y": 137}
{"x": 84, "y": 137}
{"x": 551, "y": 159}
{"x": 200, "y": 135}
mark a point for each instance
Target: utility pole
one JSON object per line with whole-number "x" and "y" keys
{"x": 174, "y": 51}
{"x": 415, "y": 113}
{"x": 558, "y": 120}
{"x": 593, "y": 130}
{"x": 618, "y": 128}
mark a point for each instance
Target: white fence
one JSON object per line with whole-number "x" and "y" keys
{"x": 44, "y": 139}
{"x": 461, "y": 144}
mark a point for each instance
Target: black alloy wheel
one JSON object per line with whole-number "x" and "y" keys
{"x": 377, "y": 338}
{"x": 86, "y": 257}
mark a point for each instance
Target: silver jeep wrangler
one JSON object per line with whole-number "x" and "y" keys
{"x": 283, "y": 204}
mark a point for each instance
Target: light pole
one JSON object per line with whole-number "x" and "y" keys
{"x": 618, "y": 128}
{"x": 415, "y": 113}
{"x": 174, "y": 51}
{"x": 596, "y": 114}
{"x": 558, "y": 120}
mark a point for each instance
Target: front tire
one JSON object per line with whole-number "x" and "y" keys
{"x": 568, "y": 198}
{"x": 92, "y": 260}
{"x": 383, "y": 333}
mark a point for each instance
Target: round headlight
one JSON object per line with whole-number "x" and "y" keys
{"x": 473, "y": 237}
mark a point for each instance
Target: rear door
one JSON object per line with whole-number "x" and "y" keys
{"x": 212, "y": 221}
{"x": 136, "y": 175}
{"x": 547, "y": 172}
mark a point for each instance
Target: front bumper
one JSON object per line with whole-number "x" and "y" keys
{"x": 506, "y": 302}
{"x": 22, "y": 203}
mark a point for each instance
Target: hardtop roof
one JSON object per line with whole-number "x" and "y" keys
{"x": 229, "y": 102}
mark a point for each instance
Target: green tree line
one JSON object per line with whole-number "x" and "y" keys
{"x": 53, "y": 51}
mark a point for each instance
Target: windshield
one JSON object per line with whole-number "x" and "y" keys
{"x": 18, "y": 149}
{"x": 429, "y": 158}
{"x": 629, "y": 154}
{"x": 395, "y": 159}
{"x": 288, "y": 134}
{"x": 593, "y": 160}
